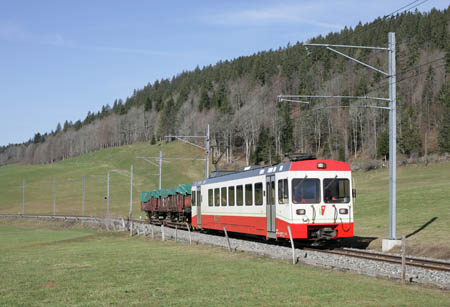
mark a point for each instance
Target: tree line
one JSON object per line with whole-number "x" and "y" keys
{"x": 238, "y": 98}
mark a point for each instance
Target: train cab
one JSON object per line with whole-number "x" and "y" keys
{"x": 311, "y": 198}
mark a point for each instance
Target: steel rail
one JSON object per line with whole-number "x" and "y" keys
{"x": 429, "y": 264}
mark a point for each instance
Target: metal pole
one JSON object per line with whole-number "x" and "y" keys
{"x": 23, "y": 197}
{"x": 403, "y": 258}
{"x": 160, "y": 169}
{"x": 131, "y": 190}
{"x": 207, "y": 152}
{"x": 107, "y": 194}
{"x": 54, "y": 197}
{"x": 392, "y": 137}
{"x": 292, "y": 245}
{"x": 82, "y": 195}
{"x": 228, "y": 239}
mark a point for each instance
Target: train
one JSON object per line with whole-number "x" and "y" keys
{"x": 302, "y": 199}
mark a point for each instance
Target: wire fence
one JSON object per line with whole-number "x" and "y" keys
{"x": 109, "y": 194}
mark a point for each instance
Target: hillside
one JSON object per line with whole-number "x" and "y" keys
{"x": 422, "y": 192}
{"x": 238, "y": 98}
{"x": 94, "y": 167}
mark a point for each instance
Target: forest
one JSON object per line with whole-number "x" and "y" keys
{"x": 238, "y": 98}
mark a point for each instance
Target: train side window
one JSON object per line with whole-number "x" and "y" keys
{"x": 223, "y": 193}
{"x": 239, "y": 195}
{"x": 230, "y": 196}
{"x": 258, "y": 194}
{"x": 248, "y": 194}
{"x": 283, "y": 192}
{"x": 210, "y": 198}
{"x": 193, "y": 199}
{"x": 216, "y": 197}
{"x": 199, "y": 198}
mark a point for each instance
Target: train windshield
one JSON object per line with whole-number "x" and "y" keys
{"x": 305, "y": 191}
{"x": 336, "y": 190}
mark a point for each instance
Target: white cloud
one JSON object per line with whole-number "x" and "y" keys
{"x": 14, "y": 33}
{"x": 281, "y": 14}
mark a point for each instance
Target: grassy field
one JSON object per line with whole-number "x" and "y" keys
{"x": 47, "y": 264}
{"x": 423, "y": 207}
{"x": 423, "y": 193}
{"x": 94, "y": 166}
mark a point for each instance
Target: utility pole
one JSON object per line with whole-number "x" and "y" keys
{"x": 23, "y": 197}
{"x": 131, "y": 190}
{"x": 391, "y": 241}
{"x": 392, "y": 138}
{"x": 107, "y": 194}
{"x": 207, "y": 145}
{"x": 160, "y": 170}
{"x": 54, "y": 197}
{"x": 82, "y": 195}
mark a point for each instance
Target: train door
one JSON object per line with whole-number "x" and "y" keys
{"x": 270, "y": 206}
{"x": 198, "y": 199}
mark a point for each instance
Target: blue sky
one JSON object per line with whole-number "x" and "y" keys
{"x": 61, "y": 59}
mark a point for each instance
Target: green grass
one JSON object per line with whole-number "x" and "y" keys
{"x": 423, "y": 193}
{"x": 44, "y": 264}
{"x": 94, "y": 166}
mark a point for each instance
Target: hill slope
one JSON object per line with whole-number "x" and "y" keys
{"x": 94, "y": 166}
{"x": 422, "y": 205}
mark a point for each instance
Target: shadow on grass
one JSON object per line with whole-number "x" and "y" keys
{"x": 357, "y": 242}
{"x": 422, "y": 227}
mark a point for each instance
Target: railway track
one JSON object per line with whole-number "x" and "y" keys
{"x": 430, "y": 264}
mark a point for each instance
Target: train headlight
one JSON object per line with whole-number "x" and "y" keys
{"x": 321, "y": 165}
{"x": 343, "y": 211}
{"x": 300, "y": 211}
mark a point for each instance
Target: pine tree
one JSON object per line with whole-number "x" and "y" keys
{"x": 148, "y": 104}
{"x": 444, "y": 129}
{"x": 383, "y": 145}
{"x": 410, "y": 141}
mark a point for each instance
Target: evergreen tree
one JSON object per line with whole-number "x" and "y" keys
{"x": 287, "y": 129}
{"x": 383, "y": 145}
{"x": 410, "y": 141}
{"x": 58, "y": 128}
{"x": 444, "y": 129}
{"x": 148, "y": 105}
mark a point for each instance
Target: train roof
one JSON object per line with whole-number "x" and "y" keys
{"x": 306, "y": 165}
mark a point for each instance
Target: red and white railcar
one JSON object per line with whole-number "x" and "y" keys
{"x": 313, "y": 197}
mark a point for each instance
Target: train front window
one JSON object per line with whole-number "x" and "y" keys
{"x": 336, "y": 190}
{"x": 305, "y": 191}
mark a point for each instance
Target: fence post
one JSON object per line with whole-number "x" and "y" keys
{"x": 176, "y": 233}
{"x": 107, "y": 194}
{"x": 131, "y": 190}
{"x": 23, "y": 197}
{"x": 228, "y": 239}
{"x": 131, "y": 229}
{"x": 162, "y": 232}
{"x": 189, "y": 230}
{"x": 82, "y": 195}
{"x": 153, "y": 233}
{"x": 292, "y": 245}
{"x": 403, "y": 259}
{"x": 54, "y": 197}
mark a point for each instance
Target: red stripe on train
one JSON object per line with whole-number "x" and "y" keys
{"x": 257, "y": 226}
{"x": 311, "y": 165}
